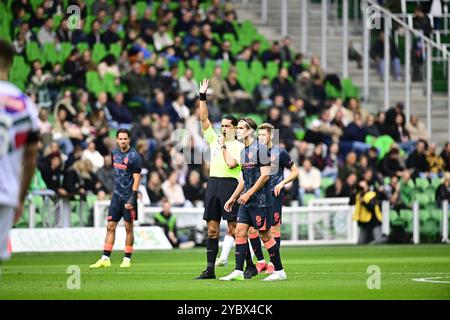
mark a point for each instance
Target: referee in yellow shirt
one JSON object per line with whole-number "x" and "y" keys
{"x": 223, "y": 179}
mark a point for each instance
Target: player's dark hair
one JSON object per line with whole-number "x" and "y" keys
{"x": 250, "y": 123}
{"x": 233, "y": 119}
{"x": 123, "y": 130}
{"x": 6, "y": 55}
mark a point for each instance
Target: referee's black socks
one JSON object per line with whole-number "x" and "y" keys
{"x": 212, "y": 248}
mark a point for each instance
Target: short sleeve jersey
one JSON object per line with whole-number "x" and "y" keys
{"x": 125, "y": 164}
{"x": 218, "y": 166}
{"x": 253, "y": 158}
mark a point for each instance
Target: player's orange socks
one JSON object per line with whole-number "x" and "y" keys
{"x": 128, "y": 251}
{"x": 107, "y": 249}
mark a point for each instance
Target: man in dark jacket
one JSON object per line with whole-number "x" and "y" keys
{"x": 417, "y": 160}
{"x": 168, "y": 223}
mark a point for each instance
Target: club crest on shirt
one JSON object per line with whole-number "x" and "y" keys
{"x": 258, "y": 220}
{"x": 125, "y": 160}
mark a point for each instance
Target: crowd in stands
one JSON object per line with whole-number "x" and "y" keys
{"x": 154, "y": 93}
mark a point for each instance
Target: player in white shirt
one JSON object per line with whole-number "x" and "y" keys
{"x": 18, "y": 148}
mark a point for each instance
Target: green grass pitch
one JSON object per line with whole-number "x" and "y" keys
{"x": 331, "y": 272}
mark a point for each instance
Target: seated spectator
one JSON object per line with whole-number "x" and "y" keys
{"x": 324, "y": 130}
{"x": 193, "y": 189}
{"x": 435, "y": 161}
{"x": 105, "y": 176}
{"x": 224, "y": 53}
{"x": 350, "y": 165}
{"x": 337, "y": 190}
{"x": 315, "y": 69}
{"x": 390, "y": 165}
{"x": 46, "y": 33}
{"x": 108, "y": 65}
{"x": 180, "y": 107}
{"x": 92, "y": 155}
{"x": 193, "y": 37}
{"x": 445, "y": 154}
{"x": 272, "y": 54}
{"x": 168, "y": 222}
{"x": 173, "y": 191}
{"x": 161, "y": 38}
{"x": 161, "y": 106}
{"x": 227, "y": 25}
{"x": 380, "y": 123}
{"x": 318, "y": 159}
{"x": 371, "y": 127}
{"x": 309, "y": 180}
{"x": 110, "y": 36}
{"x": 332, "y": 162}
{"x": 286, "y": 49}
{"x": 162, "y": 130}
{"x": 241, "y": 97}
{"x": 283, "y": 86}
{"x": 296, "y": 67}
{"x": 154, "y": 190}
{"x": 119, "y": 112}
{"x": 263, "y": 93}
{"x": 416, "y": 129}
{"x": 188, "y": 86}
{"x": 417, "y": 160}
{"x": 355, "y": 134}
{"x": 400, "y": 135}
{"x": 443, "y": 191}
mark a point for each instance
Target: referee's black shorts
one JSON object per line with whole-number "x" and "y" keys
{"x": 218, "y": 191}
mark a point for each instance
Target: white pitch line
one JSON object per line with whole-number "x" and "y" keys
{"x": 431, "y": 280}
{"x": 192, "y": 273}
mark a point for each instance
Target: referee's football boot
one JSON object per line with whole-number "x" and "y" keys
{"x": 207, "y": 274}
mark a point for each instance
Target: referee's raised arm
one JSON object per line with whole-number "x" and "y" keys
{"x": 203, "y": 107}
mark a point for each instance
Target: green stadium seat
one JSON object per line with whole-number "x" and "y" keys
{"x": 141, "y": 6}
{"x": 395, "y": 219}
{"x": 422, "y": 183}
{"x": 66, "y": 48}
{"x": 82, "y": 47}
{"x": 435, "y": 183}
{"x": 422, "y": 198}
{"x": 116, "y": 49}
{"x": 326, "y": 182}
{"x": 407, "y": 216}
{"x": 33, "y": 52}
{"x": 307, "y": 198}
{"x": 299, "y": 134}
{"x": 98, "y": 52}
{"x": 435, "y": 214}
{"x": 272, "y": 69}
{"x": 257, "y": 70}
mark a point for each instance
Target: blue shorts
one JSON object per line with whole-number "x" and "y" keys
{"x": 277, "y": 204}
{"x": 117, "y": 210}
{"x": 259, "y": 218}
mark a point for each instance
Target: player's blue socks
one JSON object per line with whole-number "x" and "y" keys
{"x": 256, "y": 245}
{"x": 212, "y": 248}
{"x": 274, "y": 253}
{"x": 242, "y": 249}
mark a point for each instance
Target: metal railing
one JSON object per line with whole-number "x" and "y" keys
{"x": 371, "y": 11}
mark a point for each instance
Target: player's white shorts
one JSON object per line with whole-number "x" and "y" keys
{"x": 6, "y": 222}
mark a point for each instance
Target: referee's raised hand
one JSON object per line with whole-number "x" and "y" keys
{"x": 204, "y": 86}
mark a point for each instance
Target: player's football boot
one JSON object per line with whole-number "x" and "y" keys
{"x": 206, "y": 275}
{"x": 250, "y": 272}
{"x": 126, "y": 263}
{"x": 221, "y": 263}
{"x": 261, "y": 266}
{"x": 276, "y": 276}
{"x": 270, "y": 268}
{"x": 101, "y": 263}
{"x": 234, "y": 276}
